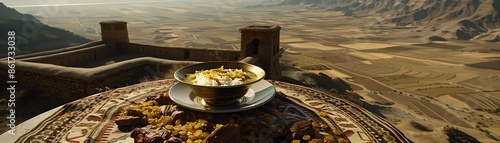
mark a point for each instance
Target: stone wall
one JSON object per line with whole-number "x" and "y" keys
{"x": 72, "y": 88}
{"x": 31, "y": 55}
{"x": 174, "y": 53}
{"x": 212, "y": 55}
{"x": 74, "y": 83}
{"x": 53, "y": 73}
{"x": 153, "y": 51}
{"x": 77, "y": 56}
{"x": 94, "y": 52}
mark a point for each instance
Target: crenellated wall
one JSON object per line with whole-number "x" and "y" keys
{"x": 174, "y": 53}
{"x": 77, "y": 56}
{"x": 153, "y": 51}
{"x": 212, "y": 55}
{"x": 73, "y": 83}
{"x": 74, "y": 88}
{"x": 58, "y": 71}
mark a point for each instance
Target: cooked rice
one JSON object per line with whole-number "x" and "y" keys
{"x": 218, "y": 77}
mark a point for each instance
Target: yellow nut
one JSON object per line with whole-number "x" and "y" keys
{"x": 329, "y": 137}
{"x": 198, "y": 133}
{"x": 306, "y": 137}
{"x": 337, "y": 132}
{"x": 342, "y": 140}
{"x": 205, "y": 134}
{"x": 202, "y": 121}
{"x": 175, "y": 133}
{"x": 177, "y": 127}
{"x": 169, "y": 127}
{"x": 217, "y": 126}
{"x": 314, "y": 124}
{"x": 324, "y": 126}
{"x": 322, "y": 114}
{"x": 197, "y": 126}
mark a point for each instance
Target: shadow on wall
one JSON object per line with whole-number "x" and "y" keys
{"x": 62, "y": 86}
{"x": 174, "y": 53}
{"x": 76, "y": 57}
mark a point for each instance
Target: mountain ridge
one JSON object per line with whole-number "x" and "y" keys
{"x": 451, "y": 19}
{"x": 31, "y": 34}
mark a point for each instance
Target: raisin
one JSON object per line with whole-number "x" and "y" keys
{"x": 207, "y": 127}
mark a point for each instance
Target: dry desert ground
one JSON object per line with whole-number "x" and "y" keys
{"x": 438, "y": 84}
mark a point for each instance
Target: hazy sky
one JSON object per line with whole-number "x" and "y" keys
{"x": 17, "y": 3}
{"x": 32, "y": 3}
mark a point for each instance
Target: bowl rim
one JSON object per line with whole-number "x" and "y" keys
{"x": 176, "y": 75}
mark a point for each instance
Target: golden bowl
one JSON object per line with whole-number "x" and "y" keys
{"x": 215, "y": 96}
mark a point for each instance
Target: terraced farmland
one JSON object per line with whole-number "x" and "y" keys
{"x": 488, "y": 101}
{"x": 442, "y": 90}
{"x": 430, "y": 80}
{"x": 427, "y": 108}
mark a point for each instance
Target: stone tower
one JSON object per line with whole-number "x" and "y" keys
{"x": 262, "y": 42}
{"x": 114, "y": 31}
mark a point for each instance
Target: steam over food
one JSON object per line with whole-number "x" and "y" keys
{"x": 219, "y": 77}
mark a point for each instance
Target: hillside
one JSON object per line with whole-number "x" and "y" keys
{"x": 450, "y": 19}
{"x": 31, "y": 34}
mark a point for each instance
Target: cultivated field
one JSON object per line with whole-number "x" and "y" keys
{"x": 442, "y": 78}
{"x": 427, "y": 108}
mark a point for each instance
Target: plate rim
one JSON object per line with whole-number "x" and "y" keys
{"x": 257, "y": 103}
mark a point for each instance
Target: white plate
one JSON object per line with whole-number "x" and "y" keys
{"x": 259, "y": 94}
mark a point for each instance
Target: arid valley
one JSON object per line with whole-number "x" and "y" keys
{"x": 421, "y": 85}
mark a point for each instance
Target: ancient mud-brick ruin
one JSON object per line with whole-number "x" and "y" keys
{"x": 262, "y": 42}
{"x": 114, "y": 31}
{"x": 78, "y": 71}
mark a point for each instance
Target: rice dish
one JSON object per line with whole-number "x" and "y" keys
{"x": 219, "y": 77}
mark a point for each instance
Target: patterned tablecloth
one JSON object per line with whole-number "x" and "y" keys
{"x": 91, "y": 119}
